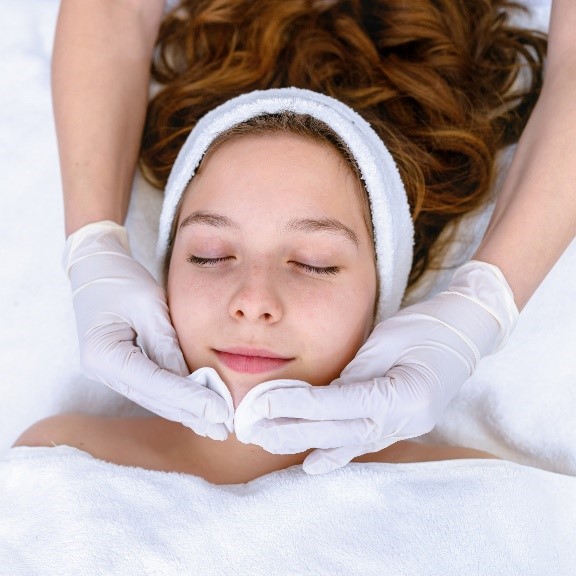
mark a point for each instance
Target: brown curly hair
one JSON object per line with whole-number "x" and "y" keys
{"x": 437, "y": 79}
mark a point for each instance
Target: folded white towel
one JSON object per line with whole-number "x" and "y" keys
{"x": 64, "y": 512}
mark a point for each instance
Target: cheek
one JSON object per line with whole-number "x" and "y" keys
{"x": 337, "y": 323}
{"x": 183, "y": 322}
{"x": 192, "y": 314}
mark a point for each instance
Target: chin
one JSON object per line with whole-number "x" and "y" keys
{"x": 240, "y": 384}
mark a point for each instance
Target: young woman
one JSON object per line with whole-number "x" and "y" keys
{"x": 278, "y": 261}
{"x": 437, "y": 78}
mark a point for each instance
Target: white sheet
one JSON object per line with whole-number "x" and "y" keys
{"x": 79, "y": 515}
{"x": 520, "y": 404}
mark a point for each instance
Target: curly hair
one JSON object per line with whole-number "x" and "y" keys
{"x": 445, "y": 83}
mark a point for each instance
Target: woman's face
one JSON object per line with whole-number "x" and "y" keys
{"x": 272, "y": 274}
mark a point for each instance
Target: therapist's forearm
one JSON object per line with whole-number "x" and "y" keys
{"x": 535, "y": 216}
{"x": 100, "y": 78}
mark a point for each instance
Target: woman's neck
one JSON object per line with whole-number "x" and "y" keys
{"x": 224, "y": 462}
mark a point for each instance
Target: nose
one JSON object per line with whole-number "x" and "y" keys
{"x": 256, "y": 299}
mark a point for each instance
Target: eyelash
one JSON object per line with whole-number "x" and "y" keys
{"x": 206, "y": 261}
{"x": 329, "y": 270}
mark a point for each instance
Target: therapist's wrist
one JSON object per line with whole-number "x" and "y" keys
{"x": 90, "y": 238}
{"x": 485, "y": 285}
{"x": 73, "y": 222}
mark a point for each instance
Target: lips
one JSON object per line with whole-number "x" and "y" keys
{"x": 252, "y": 360}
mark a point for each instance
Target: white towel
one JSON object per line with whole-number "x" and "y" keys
{"x": 64, "y": 512}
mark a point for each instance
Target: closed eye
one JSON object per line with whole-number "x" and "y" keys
{"x": 329, "y": 270}
{"x": 199, "y": 261}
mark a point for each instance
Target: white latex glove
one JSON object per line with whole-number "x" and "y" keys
{"x": 401, "y": 380}
{"x": 125, "y": 335}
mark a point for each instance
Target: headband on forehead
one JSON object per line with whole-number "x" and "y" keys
{"x": 391, "y": 221}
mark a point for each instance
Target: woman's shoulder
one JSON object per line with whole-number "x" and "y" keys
{"x": 103, "y": 437}
{"x": 70, "y": 429}
{"x": 407, "y": 451}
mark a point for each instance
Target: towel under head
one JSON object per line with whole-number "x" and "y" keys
{"x": 391, "y": 220}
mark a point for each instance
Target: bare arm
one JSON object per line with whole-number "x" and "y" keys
{"x": 100, "y": 78}
{"x": 535, "y": 216}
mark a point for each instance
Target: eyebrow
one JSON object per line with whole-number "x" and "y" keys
{"x": 323, "y": 225}
{"x": 209, "y": 218}
{"x": 312, "y": 225}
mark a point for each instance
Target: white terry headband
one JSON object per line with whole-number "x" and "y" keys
{"x": 393, "y": 228}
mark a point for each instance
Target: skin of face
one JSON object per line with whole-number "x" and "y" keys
{"x": 272, "y": 258}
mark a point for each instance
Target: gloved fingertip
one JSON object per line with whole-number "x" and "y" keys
{"x": 217, "y": 412}
{"x": 214, "y": 431}
{"x": 322, "y": 462}
{"x": 271, "y": 445}
{"x": 319, "y": 466}
{"x": 261, "y": 406}
{"x": 217, "y": 433}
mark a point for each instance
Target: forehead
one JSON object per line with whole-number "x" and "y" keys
{"x": 284, "y": 148}
{"x": 275, "y": 167}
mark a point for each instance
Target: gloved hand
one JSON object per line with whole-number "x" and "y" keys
{"x": 125, "y": 335}
{"x": 401, "y": 380}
